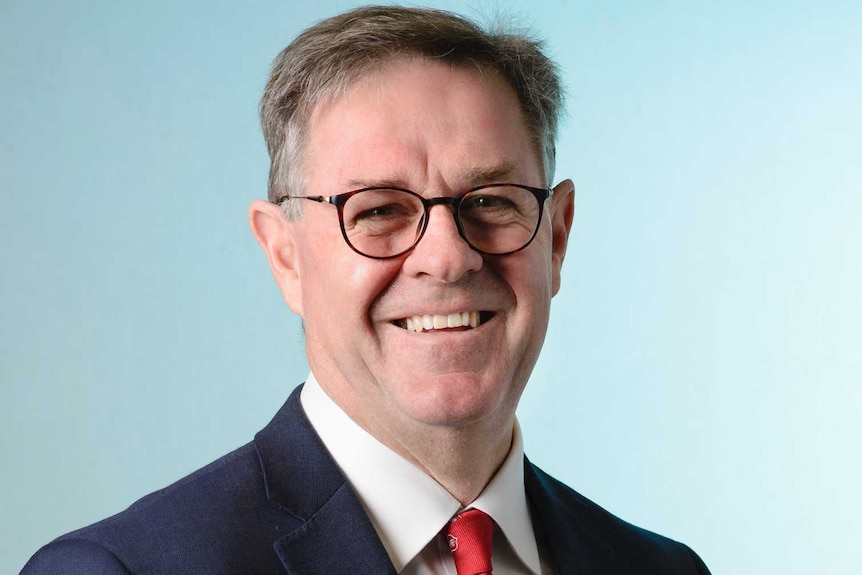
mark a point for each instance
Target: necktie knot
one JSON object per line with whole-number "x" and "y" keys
{"x": 469, "y": 536}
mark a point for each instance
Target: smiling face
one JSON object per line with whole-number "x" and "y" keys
{"x": 439, "y": 131}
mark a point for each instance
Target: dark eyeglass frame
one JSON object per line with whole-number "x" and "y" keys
{"x": 338, "y": 200}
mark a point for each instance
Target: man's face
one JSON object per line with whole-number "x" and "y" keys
{"x": 438, "y": 131}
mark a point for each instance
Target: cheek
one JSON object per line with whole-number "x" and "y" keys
{"x": 346, "y": 285}
{"x": 365, "y": 280}
{"x": 543, "y": 266}
{"x": 531, "y": 275}
{"x": 530, "y": 279}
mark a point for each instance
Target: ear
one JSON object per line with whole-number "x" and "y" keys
{"x": 277, "y": 236}
{"x": 562, "y": 214}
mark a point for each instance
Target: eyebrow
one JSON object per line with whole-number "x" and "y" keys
{"x": 362, "y": 183}
{"x": 491, "y": 174}
{"x": 472, "y": 177}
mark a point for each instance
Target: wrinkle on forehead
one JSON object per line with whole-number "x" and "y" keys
{"x": 375, "y": 78}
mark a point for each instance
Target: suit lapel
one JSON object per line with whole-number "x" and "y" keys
{"x": 339, "y": 538}
{"x": 332, "y": 533}
{"x": 566, "y": 534}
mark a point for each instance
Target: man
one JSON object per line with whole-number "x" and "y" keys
{"x": 411, "y": 225}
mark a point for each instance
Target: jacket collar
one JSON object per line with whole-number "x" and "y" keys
{"x": 564, "y": 528}
{"x": 334, "y": 535}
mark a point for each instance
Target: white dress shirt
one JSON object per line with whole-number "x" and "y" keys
{"x": 410, "y": 510}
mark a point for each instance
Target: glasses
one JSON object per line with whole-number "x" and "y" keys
{"x": 382, "y": 223}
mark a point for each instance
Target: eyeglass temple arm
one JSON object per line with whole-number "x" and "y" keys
{"x": 320, "y": 199}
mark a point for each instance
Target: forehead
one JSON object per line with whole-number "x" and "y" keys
{"x": 414, "y": 121}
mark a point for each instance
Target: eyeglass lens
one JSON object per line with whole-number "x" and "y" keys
{"x": 493, "y": 220}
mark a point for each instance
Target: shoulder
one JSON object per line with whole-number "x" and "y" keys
{"x": 217, "y": 515}
{"x": 230, "y": 481}
{"x": 632, "y": 548}
{"x": 74, "y": 556}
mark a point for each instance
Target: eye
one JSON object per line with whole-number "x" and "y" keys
{"x": 489, "y": 209}
{"x": 487, "y": 202}
{"x": 380, "y": 212}
{"x": 395, "y": 210}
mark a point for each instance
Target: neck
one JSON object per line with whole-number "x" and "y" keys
{"x": 461, "y": 456}
{"x": 463, "y": 460}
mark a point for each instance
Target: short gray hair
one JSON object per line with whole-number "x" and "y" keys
{"x": 326, "y": 58}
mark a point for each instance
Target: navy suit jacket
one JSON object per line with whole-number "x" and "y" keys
{"x": 281, "y": 505}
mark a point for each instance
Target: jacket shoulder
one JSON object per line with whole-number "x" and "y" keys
{"x": 74, "y": 556}
{"x": 217, "y": 517}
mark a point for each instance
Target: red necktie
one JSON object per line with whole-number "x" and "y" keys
{"x": 469, "y": 537}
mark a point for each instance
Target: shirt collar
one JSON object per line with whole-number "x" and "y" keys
{"x": 405, "y": 505}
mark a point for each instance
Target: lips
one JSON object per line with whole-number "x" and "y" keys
{"x": 463, "y": 320}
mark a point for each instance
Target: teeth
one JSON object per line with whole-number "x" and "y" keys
{"x": 429, "y": 322}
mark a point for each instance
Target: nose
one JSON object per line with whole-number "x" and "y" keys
{"x": 441, "y": 252}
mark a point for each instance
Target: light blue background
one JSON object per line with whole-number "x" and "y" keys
{"x": 702, "y": 371}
